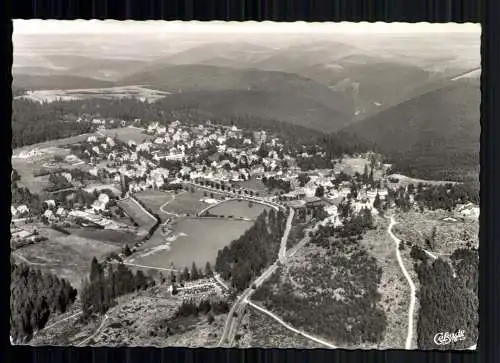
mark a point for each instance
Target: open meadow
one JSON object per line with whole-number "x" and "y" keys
{"x": 125, "y": 134}
{"x": 187, "y": 203}
{"x": 443, "y": 236}
{"x": 68, "y": 257}
{"x": 119, "y": 238}
{"x": 192, "y": 240}
{"x": 143, "y": 219}
{"x": 155, "y": 199}
{"x": 252, "y": 184}
{"x": 26, "y": 167}
{"x": 132, "y": 91}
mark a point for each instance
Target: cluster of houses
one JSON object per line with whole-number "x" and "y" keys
{"x": 30, "y": 154}
{"x": 210, "y": 153}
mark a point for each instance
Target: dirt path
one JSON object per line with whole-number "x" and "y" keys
{"x": 411, "y": 308}
{"x": 167, "y": 203}
{"x": 95, "y": 333}
{"x": 284, "y": 239}
{"x": 289, "y": 327}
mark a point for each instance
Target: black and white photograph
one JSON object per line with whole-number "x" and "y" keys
{"x": 245, "y": 185}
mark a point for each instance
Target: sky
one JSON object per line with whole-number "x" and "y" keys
{"x": 37, "y": 26}
{"x": 156, "y": 39}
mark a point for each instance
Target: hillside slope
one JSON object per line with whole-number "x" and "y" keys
{"x": 282, "y": 105}
{"x": 228, "y": 91}
{"x": 433, "y": 136}
{"x": 34, "y": 82}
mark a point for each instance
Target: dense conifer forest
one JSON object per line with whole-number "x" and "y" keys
{"x": 35, "y": 297}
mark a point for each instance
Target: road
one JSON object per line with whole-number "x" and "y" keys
{"x": 231, "y": 324}
{"x": 132, "y": 198}
{"x": 143, "y": 266}
{"x": 95, "y": 333}
{"x": 411, "y": 308}
{"x": 238, "y": 307}
{"x": 282, "y": 252}
{"x": 219, "y": 280}
{"x": 291, "y": 328}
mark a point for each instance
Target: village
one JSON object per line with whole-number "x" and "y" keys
{"x": 212, "y": 157}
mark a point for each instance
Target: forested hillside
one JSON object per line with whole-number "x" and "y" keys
{"x": 434, "y": 136}
{"x": 35, "y": 296}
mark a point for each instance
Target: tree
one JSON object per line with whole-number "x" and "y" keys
{"x": 377, "y": 203}
{"x": 185, "y": 274}
{"x": 140, "y": 280}
{"x": 365, "y": 174}
{"x": 208, "y": 269}
{"x": 303, "y": 179}
{"x": 433, "y": 237}
{"x": 210, "y": 318}
{"x": 320, "y": 191}
{"x": 173, "y": 277}
{"x": 194, "y": 272}
{"x": 126, "y": 251}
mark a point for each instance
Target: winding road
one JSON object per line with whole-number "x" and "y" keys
{"x": 241, "y": 302}
{"x": 238, "y": 307}
{"x": 411, "y": 308}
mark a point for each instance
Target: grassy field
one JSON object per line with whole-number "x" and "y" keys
{"x": 193, "y": 240}
{"x": 103, "y": 93}
{"x": 188, "y": 203}
{"x": 68, "y": 257}
{"x": 154, "y": 200}
{"x": 107, "y": 236}
{"x": 132, "y": 209}
{"x": 253, "y": 184}
{"x": 238, "y": 208}
{"x": 54, "y": 143}
{"x": 415, "y": 227}
{"x": 125, "y": 134}
{"x": 25, "y": 168}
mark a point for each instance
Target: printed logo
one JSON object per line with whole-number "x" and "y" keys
{"x": 448, "y": 338}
